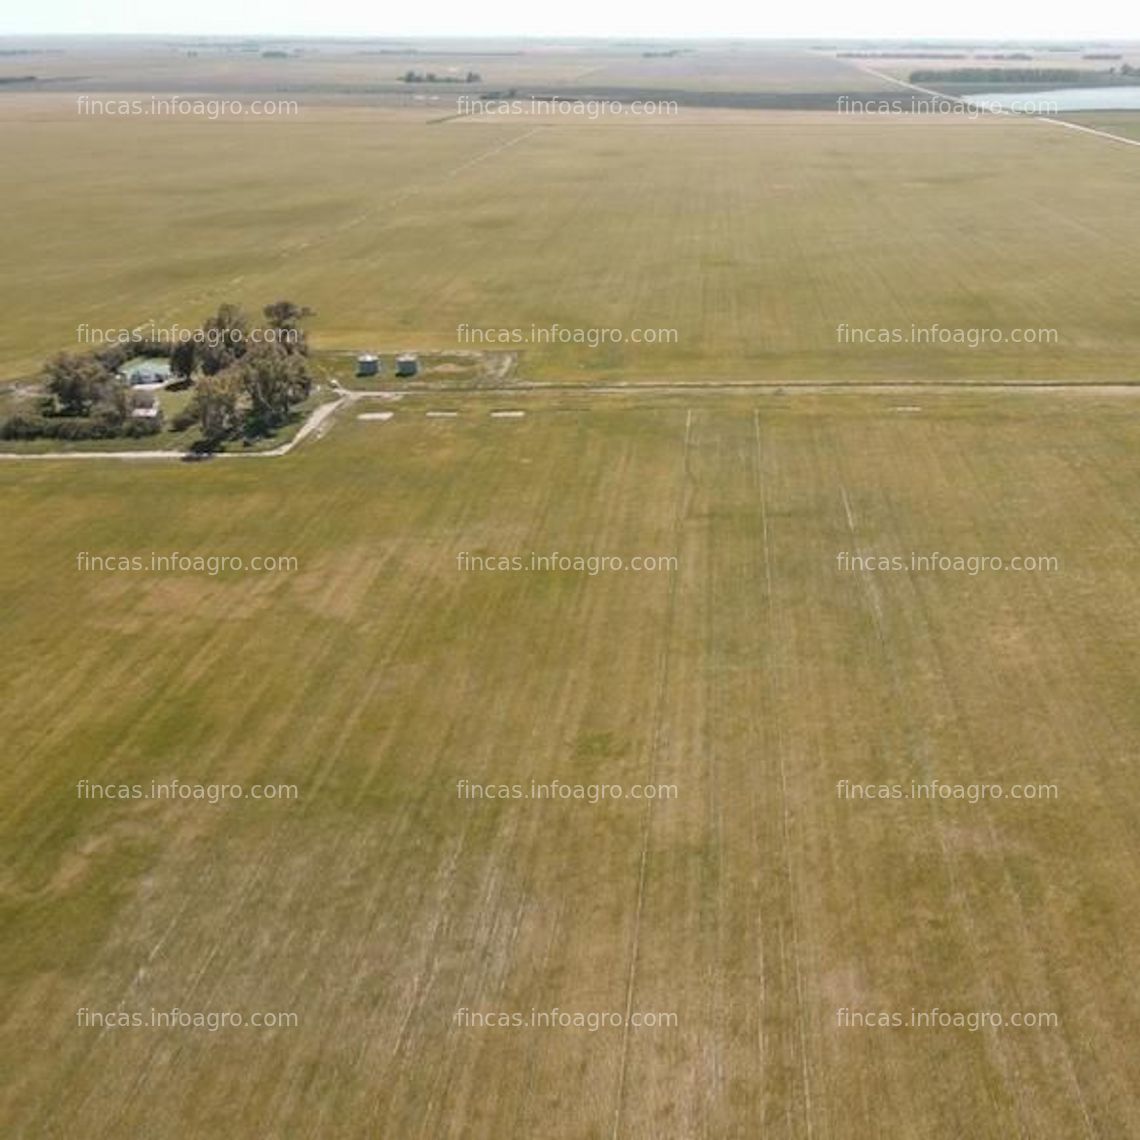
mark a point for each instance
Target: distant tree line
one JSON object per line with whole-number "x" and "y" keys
{"x": 903, "y": 55}
{"x": 410, "y": 76}
{"x": 1000, "y": 75}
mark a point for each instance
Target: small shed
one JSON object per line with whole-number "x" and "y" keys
{"x": 407, "y": 364}
{"x": 144, "y": 406}
{"x": 367, "y": 365}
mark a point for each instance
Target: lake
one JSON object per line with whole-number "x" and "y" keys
{"x": 1063, "y": 99}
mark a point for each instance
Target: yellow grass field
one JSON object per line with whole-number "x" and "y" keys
{"x": 724, "y": 737}
{"x": 742, "y": 241}
{"x": 753, "y": 905}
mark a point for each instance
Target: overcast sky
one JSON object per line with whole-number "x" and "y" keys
{"x": 896, "y": 18}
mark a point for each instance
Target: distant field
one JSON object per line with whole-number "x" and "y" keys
{"x": 754, "y": 905}
{"x": 740, "y": 68}
{"x": 746, "y": 239}
{"x": 370, "y": 67}
{"x": 1125, "y": 123}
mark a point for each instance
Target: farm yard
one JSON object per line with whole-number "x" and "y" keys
{"x": 688, "y": 573}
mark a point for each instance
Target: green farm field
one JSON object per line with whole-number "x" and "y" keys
{"x": 743, "y": 240}
{"x": 753, "y": 905}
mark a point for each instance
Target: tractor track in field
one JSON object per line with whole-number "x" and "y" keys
{"x": 787, "y": 869}
{"x": 656, "y": 743}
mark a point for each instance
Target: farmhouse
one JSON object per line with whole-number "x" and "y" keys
{"x": 145, "y": 371}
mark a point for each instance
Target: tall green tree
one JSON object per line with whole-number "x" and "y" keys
{"x": 285, "y": 317}
{"x": 272, "y": 379}
{"x": 217, "y": 405}
{"x": 225, "y": 339}
{"x": 77, "y": 383}
{"x": 183, "y": 358}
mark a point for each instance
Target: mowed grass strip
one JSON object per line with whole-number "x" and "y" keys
{"x": 756, "y": 904}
